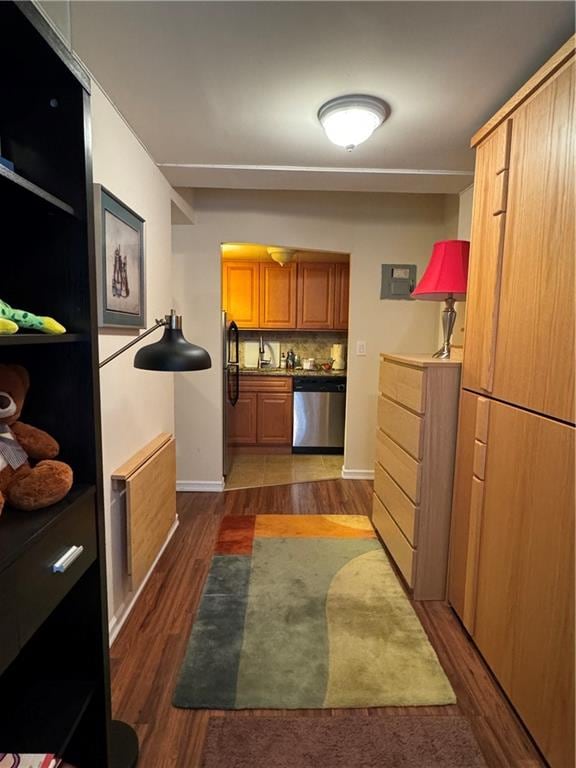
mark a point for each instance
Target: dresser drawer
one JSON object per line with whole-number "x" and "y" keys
{"x": 403, "y": 426}
{"x": 39, "y": 588}
{"x": 400, "y": 465}
{"x": 402, "y": 509}
{"x": 403, "y": 384}
{"x": 403, "y": 554}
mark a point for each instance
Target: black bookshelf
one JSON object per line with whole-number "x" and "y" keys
{"x": 54, "y": 661}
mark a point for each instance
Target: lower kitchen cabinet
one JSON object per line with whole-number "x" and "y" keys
{"x": 512, "y": 564}
{"x": 274, "y": 420}
{"x": 242, "y": 419}
{"x": 263, "y": 414}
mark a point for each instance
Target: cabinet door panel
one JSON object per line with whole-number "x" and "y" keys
{"x": 487, "y": 242}
{"x": 461, "y": 501}
{"x": 274, "y": 418}
{"x": 535, "y": 345}
{"x": 242, "y": 420}
{"x": 525, "y": 583}
{"x": 241, "y": 292}
{"x": 341, "y": 296}
{"x": 315, "y": 295}
{"x": 277, "y": 296}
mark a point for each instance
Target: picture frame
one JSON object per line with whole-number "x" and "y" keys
{"x": 120, "y": 260}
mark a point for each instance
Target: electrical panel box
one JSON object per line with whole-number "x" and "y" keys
{"x": 398, "y": 281}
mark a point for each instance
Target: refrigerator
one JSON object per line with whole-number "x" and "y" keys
{"x": 231, "y": 382}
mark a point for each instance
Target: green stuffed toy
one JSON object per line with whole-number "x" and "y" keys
{"x": 13, "y": 319}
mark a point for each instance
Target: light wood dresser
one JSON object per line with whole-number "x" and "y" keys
{"x": 413, "y": 474}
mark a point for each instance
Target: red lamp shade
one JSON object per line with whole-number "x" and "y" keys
{"x": 446, "y": 273}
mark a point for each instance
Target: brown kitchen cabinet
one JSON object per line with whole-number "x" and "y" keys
{"x": 241, "y": 292}
{"x": 316, "y": 294}
{"x": 341, "y": 296}
{"x": 242, "y": 419}
{"x": 262, "y": 417}
{"x": 307, "y": 295}
{"x": 277, "y": 295}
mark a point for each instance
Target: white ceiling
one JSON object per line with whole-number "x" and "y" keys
{"x": 225, "y": 94}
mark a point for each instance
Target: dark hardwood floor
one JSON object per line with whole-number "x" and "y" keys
{"x": 147, "y": 654}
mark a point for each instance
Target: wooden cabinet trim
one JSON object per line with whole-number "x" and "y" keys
{"x": 482, "y": 417}
{"x": 473, "y": 554}
{"x": 479, "y": 459}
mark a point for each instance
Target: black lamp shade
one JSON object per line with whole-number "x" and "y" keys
{"x": 172, "y": 353}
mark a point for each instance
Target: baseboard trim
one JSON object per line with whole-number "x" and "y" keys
{"x": 202, "y": 486}
{"x": 118, "y": 621}
{"x": 357, "y": 474}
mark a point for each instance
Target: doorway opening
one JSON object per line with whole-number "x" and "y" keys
{"x": 285, "y": 341}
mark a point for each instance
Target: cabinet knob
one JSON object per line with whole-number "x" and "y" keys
{"x": 62, "y": 564}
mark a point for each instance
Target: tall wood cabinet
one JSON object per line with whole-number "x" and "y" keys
{"x": 512, "y": 543}
{"x": 54, "y": 675}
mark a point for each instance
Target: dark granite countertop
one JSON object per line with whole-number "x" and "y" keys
{"x": 284, "y": 372}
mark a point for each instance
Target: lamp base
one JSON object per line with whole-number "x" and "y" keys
{"x": 443, "y": 353}
{"x": 448, "y": 320}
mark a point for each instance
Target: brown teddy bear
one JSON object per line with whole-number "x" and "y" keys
{"x": 21, "y": 485}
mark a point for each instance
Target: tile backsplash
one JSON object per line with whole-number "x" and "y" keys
{"x": 304, "y": 343}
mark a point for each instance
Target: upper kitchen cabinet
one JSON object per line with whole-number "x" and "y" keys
{"x": 520, "y": 310}
{"x": 316, "y": 294}
{"x": 536, "y": 315}
{"x": 341, "y": 296}
{"x": 277, "y": 295}
{"x": 241, "y": 292}
{"x": 309, "y": 296}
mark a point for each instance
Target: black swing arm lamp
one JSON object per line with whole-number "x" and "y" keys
{"x": 171, "y": 353}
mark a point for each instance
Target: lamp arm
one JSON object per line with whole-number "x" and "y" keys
{"x": 158, "y": 324}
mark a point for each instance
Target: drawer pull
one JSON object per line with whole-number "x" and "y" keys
{"x": 72, "y": 554}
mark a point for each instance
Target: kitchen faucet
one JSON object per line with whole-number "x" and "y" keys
{"x": 261, "y": 352}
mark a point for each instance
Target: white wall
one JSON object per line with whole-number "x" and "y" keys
{"x": 136, "y": 405}
{"x": 373, "y": 228}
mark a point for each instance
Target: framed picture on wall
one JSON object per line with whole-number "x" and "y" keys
{"x": 120, "y": 261}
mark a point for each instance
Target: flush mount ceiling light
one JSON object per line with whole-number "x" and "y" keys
{"x": 281, "y": 255}
{"x": 350, "y": 120}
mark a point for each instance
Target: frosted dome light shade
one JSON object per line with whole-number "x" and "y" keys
{"x": 350, "y": 120}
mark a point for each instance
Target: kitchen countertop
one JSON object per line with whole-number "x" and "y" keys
{"x": 284, "y": 372}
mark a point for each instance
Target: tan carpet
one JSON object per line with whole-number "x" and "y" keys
{"x": 426, "y": 741}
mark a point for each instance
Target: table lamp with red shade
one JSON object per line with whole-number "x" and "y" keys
{"x": 445, "y": 278}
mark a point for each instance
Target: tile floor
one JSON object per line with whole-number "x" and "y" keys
{"x": 253, "y": 471}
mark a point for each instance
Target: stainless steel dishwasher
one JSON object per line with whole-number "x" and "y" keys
{"x": 319, "y": 414}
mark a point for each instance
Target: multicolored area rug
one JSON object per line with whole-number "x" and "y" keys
{"x": 305, "y": 612}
